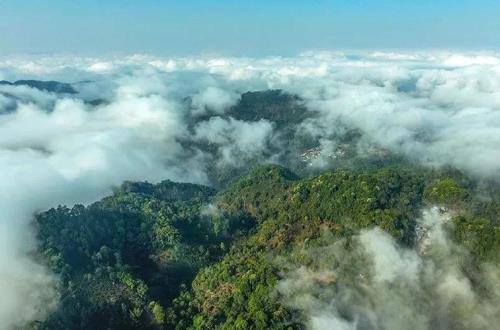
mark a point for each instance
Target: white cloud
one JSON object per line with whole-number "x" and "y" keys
{"x": 236, "y": 140}
{"x": 214, "y": 99}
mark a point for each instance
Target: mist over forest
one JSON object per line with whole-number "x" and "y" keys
{"x": 328, "y": 190}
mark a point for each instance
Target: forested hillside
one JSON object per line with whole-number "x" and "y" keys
{"x": 183, "y": 256}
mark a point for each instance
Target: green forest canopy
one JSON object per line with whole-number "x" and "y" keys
{"x": 184, "y": 256}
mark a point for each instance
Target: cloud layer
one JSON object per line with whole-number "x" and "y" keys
{"x": 148, "y": 118}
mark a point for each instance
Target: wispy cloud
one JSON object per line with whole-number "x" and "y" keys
{"x": 377, "y": 284}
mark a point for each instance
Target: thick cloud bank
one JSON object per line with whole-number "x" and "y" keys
{"x": 150, "y": 118}
{"x": 376, "y": 284}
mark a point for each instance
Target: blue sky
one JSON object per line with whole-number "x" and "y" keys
{"x": 258, "y": 27}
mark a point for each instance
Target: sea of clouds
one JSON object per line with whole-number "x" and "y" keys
{"x": 131, "y": 116}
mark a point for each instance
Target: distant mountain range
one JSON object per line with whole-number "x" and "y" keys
{"x": 47, "y": 86}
